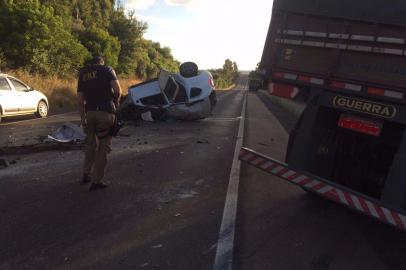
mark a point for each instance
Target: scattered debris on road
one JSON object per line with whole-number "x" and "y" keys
{"x": 187, "y": 194}
{"x": 4, "y": 163}
{"x": 68, "y": 137}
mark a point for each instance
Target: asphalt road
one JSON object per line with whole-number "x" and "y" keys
{"x": 165, "y": 205}
{"x": 162, "y": 211}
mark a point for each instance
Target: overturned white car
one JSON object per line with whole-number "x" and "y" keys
{"x": 187, "y": 95}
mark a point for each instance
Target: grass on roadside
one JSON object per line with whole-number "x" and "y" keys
{"x": 61, "y": 93}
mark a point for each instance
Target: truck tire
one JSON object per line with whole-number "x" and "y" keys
{"x": 188, "y": 70}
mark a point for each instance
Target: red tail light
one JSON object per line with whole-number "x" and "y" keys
{"x": 361, "y": 125}
{"x": 376, "y": 91}
{"x": 211, "y": 82}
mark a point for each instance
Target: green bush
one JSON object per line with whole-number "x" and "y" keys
{"x": 99, "y": 42}
{"x": 225, "y": 77}
{"x": 34, "y": 39}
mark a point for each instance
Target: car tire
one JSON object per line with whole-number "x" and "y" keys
{"x": 42, "y": 109}
{"x": 189, "y": 69}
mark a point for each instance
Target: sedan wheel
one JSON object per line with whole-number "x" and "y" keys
{"x": 42, "y": 109}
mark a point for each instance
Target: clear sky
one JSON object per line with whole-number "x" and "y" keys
{"x": 207, "y": 31}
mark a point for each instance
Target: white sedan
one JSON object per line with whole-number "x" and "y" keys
{"x": 17, "y": 98}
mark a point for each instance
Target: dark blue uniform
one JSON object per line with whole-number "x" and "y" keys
{"x": 94, "y": 84}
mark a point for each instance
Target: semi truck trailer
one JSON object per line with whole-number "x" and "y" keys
{"x": 347, "y": 61}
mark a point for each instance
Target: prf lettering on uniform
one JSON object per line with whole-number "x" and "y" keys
{"x": 365, "y": 106}
{"x": 89, "y": 76}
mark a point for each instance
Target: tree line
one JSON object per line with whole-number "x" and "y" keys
{"x": 56, "y": 37}
{"x": 226, "y": 76}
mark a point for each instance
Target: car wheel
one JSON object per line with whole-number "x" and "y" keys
{"x": 189, "y": 69}
{"x": 42, "y": 109}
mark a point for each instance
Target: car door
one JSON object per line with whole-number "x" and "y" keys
{"x": 8, "y": 97}
{"x": 26, "y": 100}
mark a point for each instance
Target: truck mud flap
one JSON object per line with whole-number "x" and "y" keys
{"x": 327, "y": 189}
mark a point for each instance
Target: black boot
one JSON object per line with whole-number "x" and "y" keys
{"x": 94, "y": 186}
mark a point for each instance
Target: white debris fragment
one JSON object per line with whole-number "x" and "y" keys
{"x": 147, "y": 116}
{"x": 187, "y": 194}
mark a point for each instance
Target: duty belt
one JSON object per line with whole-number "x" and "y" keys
{"x": 108, "y": 109}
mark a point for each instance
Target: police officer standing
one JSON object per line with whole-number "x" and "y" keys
{"x": 99, "y": 92}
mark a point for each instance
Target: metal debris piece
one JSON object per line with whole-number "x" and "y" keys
{"x": 188, "y": 112}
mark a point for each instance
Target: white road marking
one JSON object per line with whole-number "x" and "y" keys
{"x": 225, "y": 245}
